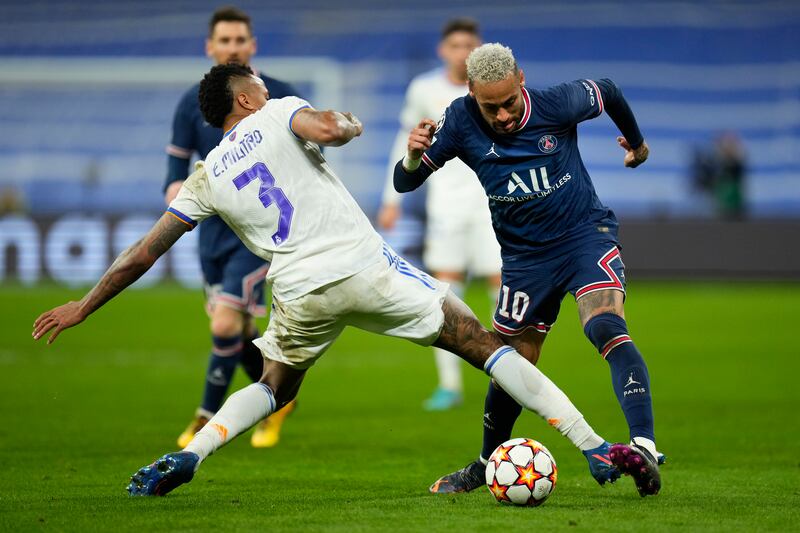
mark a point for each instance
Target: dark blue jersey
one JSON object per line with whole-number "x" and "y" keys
{"x": 191, "y": 133}
{"x": 538, "y": 188}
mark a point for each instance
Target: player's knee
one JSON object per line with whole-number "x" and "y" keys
{"x": 227, "y": 323}
{"x": 526, "y": 345}
{"x": 605, "y": 327}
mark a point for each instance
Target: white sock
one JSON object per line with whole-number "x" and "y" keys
{"x": 240, "y": 412}
{"x": 457, "y": 287}
{"x": 534, "y": 391}
{"x": 449, "y": 367}
{"x": 448, "y": 364}
{"x": 647, "y": 444}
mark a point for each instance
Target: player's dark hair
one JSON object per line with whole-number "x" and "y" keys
{"x": 228, "y": 14}
{"x": 464, "y": 24}
{"x": 216, "y": 96}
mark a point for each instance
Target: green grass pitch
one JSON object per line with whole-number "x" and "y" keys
{"x": 80, "y": 416}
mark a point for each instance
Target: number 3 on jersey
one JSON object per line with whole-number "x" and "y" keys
{"x": 518, "y": 306}
{"x": 269, "y": 194}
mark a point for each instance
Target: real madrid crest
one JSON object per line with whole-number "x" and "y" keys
{"x": 440, "y": 123}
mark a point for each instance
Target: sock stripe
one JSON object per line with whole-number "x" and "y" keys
{"x": 227, "y": 351}
{"x": 270, "y": 396}
{"x": 613, "y": 343}
{"x": 496, "y": 357}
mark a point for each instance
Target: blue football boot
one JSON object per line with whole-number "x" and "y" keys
{"x": 443, "y": 400}
{"x": 635, "y": 461}
{"x": 167, "y": 473}
{"x": 600, "y": 464}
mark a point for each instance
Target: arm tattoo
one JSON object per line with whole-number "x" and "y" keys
{"x": 134, "y": 262}
{"x": 463, "y": 335}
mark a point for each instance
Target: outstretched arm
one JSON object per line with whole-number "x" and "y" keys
{"x": 632, "y": 141}
{"x": 326, "y": 128}
{"x": 127, "y": 268}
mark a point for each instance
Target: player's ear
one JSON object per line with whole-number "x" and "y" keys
{"x": 208, "y": 48}
{"x": 521, "y": 77}
{"x": 244, "y": 101}
{"x": 253, "y": 45}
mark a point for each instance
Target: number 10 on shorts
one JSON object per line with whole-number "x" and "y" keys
{"x": 519, "y": 304}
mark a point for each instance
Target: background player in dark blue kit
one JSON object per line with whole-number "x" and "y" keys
{"x": 555, "y": 234}
{"x": 234, "y": 278}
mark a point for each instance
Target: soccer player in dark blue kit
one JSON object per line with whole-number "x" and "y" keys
{"x": 555, "y": 234}
{"x": 234, "y": 277}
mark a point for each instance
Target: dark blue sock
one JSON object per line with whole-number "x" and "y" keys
{"x": 500, "y": 411}
{"x": 252, "y": 359}
{"x": 225, "y": 355}
{"x": 609, "y": 333}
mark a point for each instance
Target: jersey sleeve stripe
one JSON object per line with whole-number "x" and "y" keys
{"x": 177, "y": 151}
{"x": 599, "y": 97}
{"x": 183, "y": 218}
{"x": 291, "y": 119}
{"x": 427, "y": 160}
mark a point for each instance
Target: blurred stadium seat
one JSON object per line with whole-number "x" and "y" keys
{"x": 87, "y": 91}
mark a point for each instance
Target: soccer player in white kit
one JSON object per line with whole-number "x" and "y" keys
{"x": 459, "y": 238}
{"x": 329, "y": 269}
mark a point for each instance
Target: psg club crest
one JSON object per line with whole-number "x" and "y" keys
{"x": 547, "y": 143}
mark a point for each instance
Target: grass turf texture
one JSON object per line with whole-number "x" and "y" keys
{"x": 81, "y": 415}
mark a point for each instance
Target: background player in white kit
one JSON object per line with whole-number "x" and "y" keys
{"x": 329, "y": 269}
{"x": 459, "y": 238}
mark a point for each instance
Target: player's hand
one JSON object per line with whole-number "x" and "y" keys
{"x": 634, "y": 158}
{"x": 420, "y": 138}
{"x": 387, "y": 216}
{"x": 172, "y": 191}
{"x": 352, "y": 119}
{"x": 58, "y": 319}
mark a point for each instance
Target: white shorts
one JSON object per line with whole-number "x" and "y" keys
{"x": 463, "y": 242}
{"x": 389, "y": 297}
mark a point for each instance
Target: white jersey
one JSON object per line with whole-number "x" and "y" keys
{"x": 454, "y": 187}
{"x": 278, "y": 194}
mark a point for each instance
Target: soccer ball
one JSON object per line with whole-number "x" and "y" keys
{"x": 522, "y": 472}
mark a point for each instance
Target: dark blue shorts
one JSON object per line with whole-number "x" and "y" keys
{"x": 534, "y": 284}
{"x": 236, "y": 280}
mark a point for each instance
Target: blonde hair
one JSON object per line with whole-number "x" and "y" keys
{"x": 491, "y": 62}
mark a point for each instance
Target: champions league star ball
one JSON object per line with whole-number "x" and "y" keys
{"x": 521, "y": 472}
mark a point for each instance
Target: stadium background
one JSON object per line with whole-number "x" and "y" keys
{"x": 87, "y": 93}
